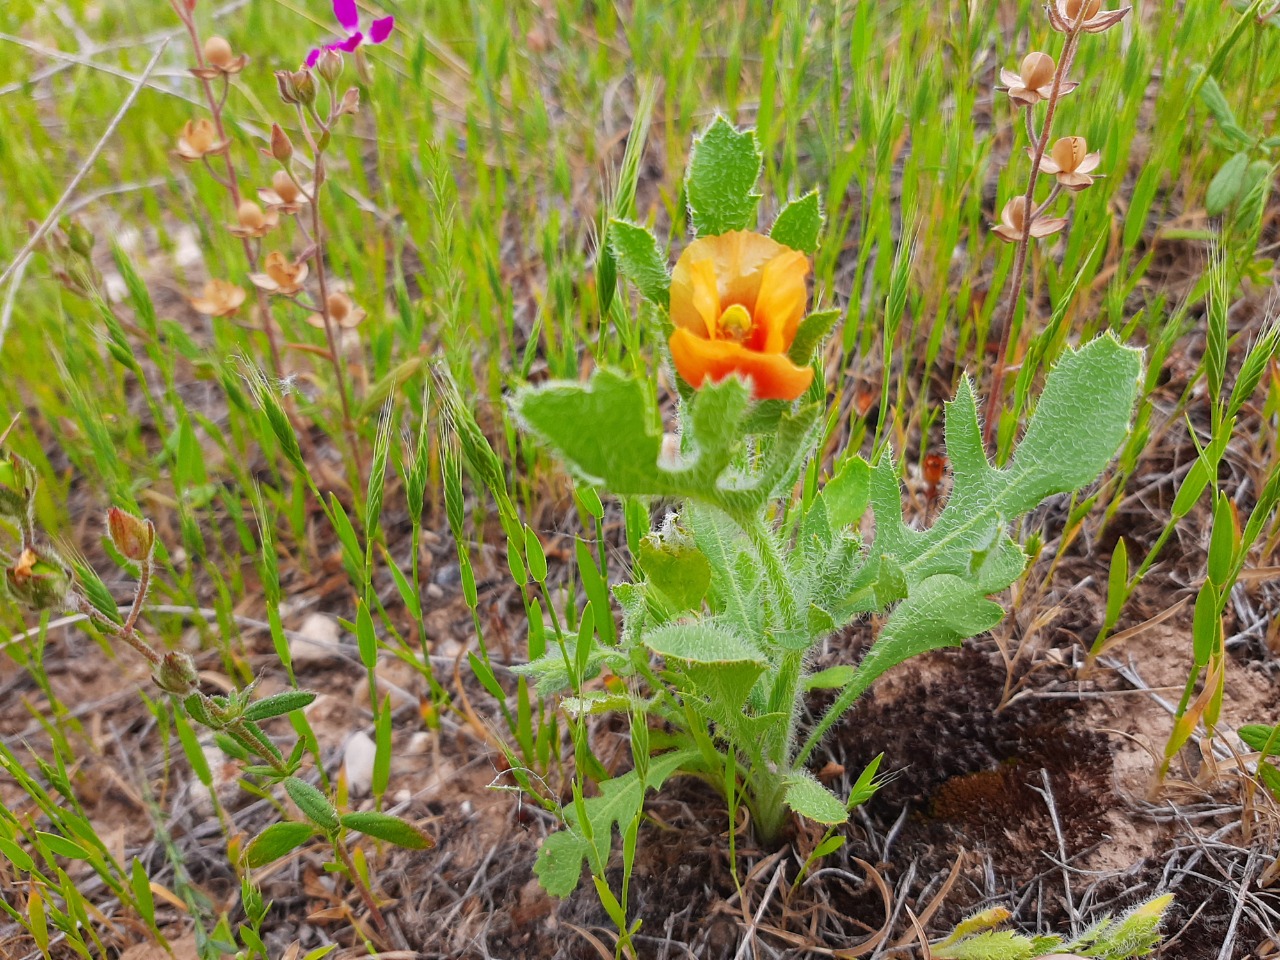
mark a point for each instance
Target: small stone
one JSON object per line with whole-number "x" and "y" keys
{"x": 316, "y": 641}
{"x": 358, "y": 759}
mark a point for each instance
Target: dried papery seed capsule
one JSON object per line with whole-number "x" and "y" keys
{"x": 220, "y": 298}
{"x": 253, "y": 221}
{"x": 280, "y": 275}
{"x": 134, "y": 537}
{"x": 1087, "y": 16}
{"x": 1013, "y": 220}
{"x": 199, "y": 139}
{"x": 219, "y": 60}
{"x": 284, "y": 195}
{"x": 284, "y": 186}
{"x": 218, "y": 52}
{"x": 176, "y": 674}
{"x": 1071, "y": 163}
{"x": 342, "y": 311}
{"x": 1073, "y": 9}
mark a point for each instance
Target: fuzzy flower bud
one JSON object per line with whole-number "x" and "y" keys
{"x": 134, "y": 537}
{"x": 281, "y": 145}
{"x": 296, "y": 86}
{"x": 329, "y": 66}
{"x": 176, "y": 674}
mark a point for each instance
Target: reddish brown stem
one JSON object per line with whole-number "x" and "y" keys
{"x": 232, "y": 182}
{"x": 1040, "y": 145}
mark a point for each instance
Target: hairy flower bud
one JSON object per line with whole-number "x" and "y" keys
{"x": 134, "y": 537}
{"x": 176, "y": 674}
{"x": 329, "y": 66}
{"x": 81, "y": 239}
{"x": 281, "y": 145}
{"x": 39, "y": 579}
{"x": 296, "y": 86}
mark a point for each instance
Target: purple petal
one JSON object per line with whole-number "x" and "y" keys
{"x": 381, "y": 29}
{"x": 346, "y": 13}
{"x": 350, "y": 44}
{"x": 312, "y": 57}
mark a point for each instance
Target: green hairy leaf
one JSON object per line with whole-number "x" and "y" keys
{"x": 606, "y": 432}
{"x": 559, "y": 863}
{"x": 807, "y": 797}
{"x": 677, "y": 569}
{"x": 1227, "y": 184}
{"x": 799, "y": 224}
{"x": 277, "y": 840}
{"x": 278, "y": 704}
{"x": 721, "y": 182}
{"x": 385, "y": 826}
{"x": 944, "y": 574}
{"x": 641, "y": 260}
{"x": 701, "y": 642}
{"x": 314, "y": 804}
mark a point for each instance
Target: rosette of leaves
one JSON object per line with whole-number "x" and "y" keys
{"x": 743, "y": 580}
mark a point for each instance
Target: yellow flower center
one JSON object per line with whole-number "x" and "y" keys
{"x": 735, "y": 323}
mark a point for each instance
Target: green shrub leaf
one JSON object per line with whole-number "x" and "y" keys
{"x": 721, "y": 181}
{"x": 799, "y": 224}
{"x": 1226, "y": 185}
{"x": 559, "y": 863}
{"x": 641, "y": 260}
{"x": 279, "y": 704}
{"x": 807, "y": 797}
{"x": 385, "y": 826}
{"x": 314, "y": 804}
{"x": 277, "y": 840}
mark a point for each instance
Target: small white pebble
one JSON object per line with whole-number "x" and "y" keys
{"x": 358, "y": 759}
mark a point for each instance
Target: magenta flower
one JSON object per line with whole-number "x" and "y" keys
{"x": 348, "y": 17}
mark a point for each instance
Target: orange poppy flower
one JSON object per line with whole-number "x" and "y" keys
{"x": 736, "y": 301}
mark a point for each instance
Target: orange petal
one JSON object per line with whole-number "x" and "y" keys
{"x": 781, "y": 301}
{"x": 737, "y": 263}
{"x": 772, "y": 375}
{"x": 695, "y": 301}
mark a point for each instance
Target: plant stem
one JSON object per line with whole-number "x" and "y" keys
{"x": 370, "y": 904}
{"x": 322, "y": 278}
{"x": 232, "y": 182}
{"x": 1040, "y": 144}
